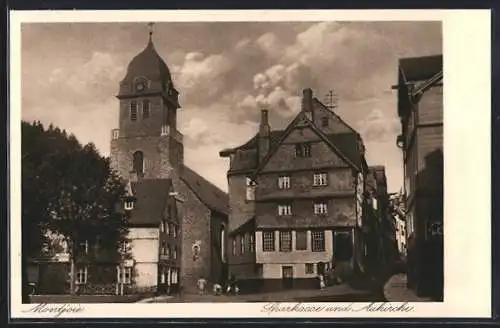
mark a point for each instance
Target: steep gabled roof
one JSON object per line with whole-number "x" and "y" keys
{"x": 420, "y": 68}
{"x": 288, "y": 130}
{"x": 347, "y": 143}
{"x": 416, "y": 69}
{"x": 151, "y": 197}
{"x": 253, "y": 142}
{"x": 316, "y": 101}
{"x": 245, "y": 227}
{"x": 214, "y": 198}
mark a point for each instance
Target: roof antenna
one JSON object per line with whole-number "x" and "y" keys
{"x": 331, "y": 100}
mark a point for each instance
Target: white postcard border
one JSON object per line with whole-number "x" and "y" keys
{"x": 467, "y": 112}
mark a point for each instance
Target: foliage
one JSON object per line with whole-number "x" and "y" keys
{"x": 69, "y": 189}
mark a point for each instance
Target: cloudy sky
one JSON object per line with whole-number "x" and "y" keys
{"x": 224, "y": 72}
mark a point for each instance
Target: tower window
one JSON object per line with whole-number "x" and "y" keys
{"x": 138, "y": 163}
{"x": 145, "y": 108}
{"x": 133, "y": 110}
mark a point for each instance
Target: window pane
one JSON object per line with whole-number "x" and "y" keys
{"x": 318, "y": 241}
{"x": 301, "y": 240}
{"x": 285, "y": 241}
{"x": 268, "y": 241}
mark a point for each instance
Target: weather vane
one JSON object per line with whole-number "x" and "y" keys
{"x": 331, "y": 100}
{"x": 150, "y": 25}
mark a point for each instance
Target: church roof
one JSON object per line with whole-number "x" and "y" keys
{"x": 151, "y": 197}
{"x": 149, "y": 63}
{"x": 214, "y": 198}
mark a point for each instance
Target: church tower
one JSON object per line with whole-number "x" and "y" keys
{"x": 147, "y": 144}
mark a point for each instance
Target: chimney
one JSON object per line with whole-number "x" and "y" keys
{"x": 307, "y": 103}
{"x": 264, "y": 134}
{"x": 307, "y": 96}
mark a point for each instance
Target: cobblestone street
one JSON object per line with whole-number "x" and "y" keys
{"x": 340, "y": 293}
{"x": 395, "y": 290}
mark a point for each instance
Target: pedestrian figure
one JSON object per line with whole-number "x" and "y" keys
{"x": 201, "y": 285}
{"x": 236, "y": 289}
{"x": 228, "y": 289}
{"x": 217, "y": 289}
{"x": 321, "y": 282}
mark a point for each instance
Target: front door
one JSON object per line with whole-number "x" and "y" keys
{"x": 287, "y": 276}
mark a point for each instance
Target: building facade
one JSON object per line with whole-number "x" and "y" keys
{"x": 397, "y": 213}
{"x": 296, "y": 200}
{"x": 420, "y": 108}
{"x": 184, "y": 237}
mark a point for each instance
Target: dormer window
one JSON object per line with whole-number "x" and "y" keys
{"x": 129, "y": 205}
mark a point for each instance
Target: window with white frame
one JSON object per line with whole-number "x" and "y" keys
{"x": 320, "y": 208}
{"x": 303, "y": 150}
{"x": 164, "y": 130}
{"x": 285, "y": 241}
{"x": 174, "y": 254}
{"x": 167, "y": 254}
{"x": 84, "y": 247}
{"x": 284, "y": 182}
{"x": 81, "y": 275}
{"x": 284, "y": 209}
{"x": 318, "y": 241}
{"x": 168, "y": 228}
{"x": 242, "y": 244}
{"x": 252, "y": 243}
{"x": 162, "y": 226}
{"x": 129, "y": 205}
{"x": 268, "y": 241}
{"x": 125, "y": 275}
{"x": 234, "y": 246}
{"x": 124, "y": 246}
{"x": 320, "y": 179}
{"x": 309, "y": 268}
{"x": 116, "y": 134}
{"x": 175, "y": 231}
{"x": 163, "y": 250}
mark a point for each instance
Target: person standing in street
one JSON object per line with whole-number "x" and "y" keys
{"x": 201, "y": 285}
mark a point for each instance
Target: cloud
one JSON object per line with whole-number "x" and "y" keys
{"x": 224, "y": 79}
{"x": 377, "y": 127}
{"x": 201, "y": 78}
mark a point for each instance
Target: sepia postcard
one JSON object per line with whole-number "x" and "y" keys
{"x": 258, "y": 164}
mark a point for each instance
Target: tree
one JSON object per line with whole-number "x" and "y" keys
{"x": 71, "y": 190}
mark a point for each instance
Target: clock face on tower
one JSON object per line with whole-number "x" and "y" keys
{"x": 140, "y": 86}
